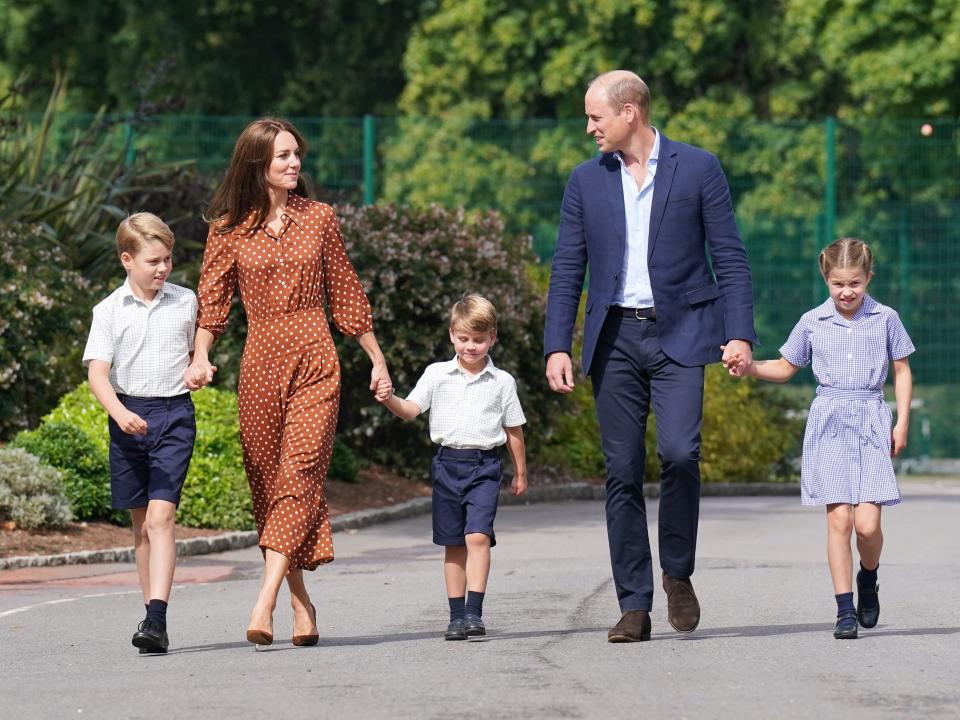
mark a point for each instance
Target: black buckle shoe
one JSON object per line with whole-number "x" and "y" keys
{"x": 846, "y": 627}
{"x": 151, "y": 637}
{"x": 868, "y": 604}
{"x": 474, "y": 626}
{"x": 455, "y": 630}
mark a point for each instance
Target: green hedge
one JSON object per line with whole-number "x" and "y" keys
{"x": 750, "y": 433}
{"x": 74, "y": 439}
{"x": 31, "y": 494}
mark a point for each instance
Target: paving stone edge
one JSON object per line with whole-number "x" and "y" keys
{"x": 366, "y": 518}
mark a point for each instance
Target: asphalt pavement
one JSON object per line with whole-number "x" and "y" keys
{"x": 764, "y": 648}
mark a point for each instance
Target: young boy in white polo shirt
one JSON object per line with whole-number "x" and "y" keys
{"x": 474, "y": 409}
{"x": 139, "y": 346}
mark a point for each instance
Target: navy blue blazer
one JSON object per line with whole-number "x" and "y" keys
{"x": 697, "y": 309}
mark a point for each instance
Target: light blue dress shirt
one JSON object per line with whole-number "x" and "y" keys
{"x": 634, "y": 289}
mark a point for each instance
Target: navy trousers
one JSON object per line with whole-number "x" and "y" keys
{"x": 630, "y": 372}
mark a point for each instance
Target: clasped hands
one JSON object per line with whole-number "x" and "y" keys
{"x": 737, "y": 357}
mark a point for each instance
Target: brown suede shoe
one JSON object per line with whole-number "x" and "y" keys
{"x": 683, "y": 609}
{"x": 634, "y": 626}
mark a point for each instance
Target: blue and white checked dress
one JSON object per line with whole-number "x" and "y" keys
{"x": 846, "y": 447}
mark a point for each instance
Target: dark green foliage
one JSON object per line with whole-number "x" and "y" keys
{"x": 83, "y": 466}
{"x": 414, "y": 264}
{"x": 44, "y": 311}
{"x": 31, "y": 494}
{"x": 316, "y": 57}
{"x": 344, "y": 464}
{"x": 751, "y": 432}
{"x": 74, "y": 439}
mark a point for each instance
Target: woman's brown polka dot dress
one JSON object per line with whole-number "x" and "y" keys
{"x": 289, "y": 388}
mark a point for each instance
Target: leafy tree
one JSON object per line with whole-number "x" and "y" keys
{"x": 317, "y": 57}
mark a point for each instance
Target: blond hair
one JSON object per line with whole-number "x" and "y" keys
{"x": 846, "y": 252}
{"x": 137, "y": 229}
{"x": 621, "y": 87}
{"x": 473, "y": 313}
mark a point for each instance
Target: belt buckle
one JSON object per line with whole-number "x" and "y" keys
{"x": 636, "y": 313}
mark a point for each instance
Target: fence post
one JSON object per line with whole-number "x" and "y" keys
{"x": 830, "y": 188}
{"x": 369, "y": 157}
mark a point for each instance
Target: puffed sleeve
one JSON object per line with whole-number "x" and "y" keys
{"x": 218, "y": 281}
{"x": 796, "y": 350}
{"x": 348, "y": 302}
{"x": 899, "y": 344}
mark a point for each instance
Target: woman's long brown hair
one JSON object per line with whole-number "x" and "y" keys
{"x": 244, "y": 188}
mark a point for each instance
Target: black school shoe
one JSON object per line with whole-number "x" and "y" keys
{"x": 846, "y": 627}
{"x": 473, "y": 625}
{"x": 151, "y": 637}
{"x": 868, "y": 603}
{"x": 455, "y": 630}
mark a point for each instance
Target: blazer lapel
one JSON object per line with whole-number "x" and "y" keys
{"x": 614, "y": 191}
{"x": 666, "y": 167}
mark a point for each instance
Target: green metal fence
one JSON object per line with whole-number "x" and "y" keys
{"x": 796, "y": 186}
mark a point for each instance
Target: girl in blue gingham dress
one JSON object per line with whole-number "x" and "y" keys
{"x": 851, "y": 339}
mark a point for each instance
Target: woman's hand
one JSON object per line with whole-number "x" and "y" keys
{"x": 198, "y": 374}
{"x": 380, "y": 384}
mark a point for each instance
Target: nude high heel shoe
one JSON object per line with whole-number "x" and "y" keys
{"x": 304, "y": 640}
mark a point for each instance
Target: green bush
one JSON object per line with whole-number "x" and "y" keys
{"x": 82, "y": 464}
{"x": 44, "y": 311}
{"x": 74, "y": 438}
{"x": 749, "y": 433}
{"x": 344, "y": 464}
{"x": 31, "y": 494}
{"x": 414, "y": 264}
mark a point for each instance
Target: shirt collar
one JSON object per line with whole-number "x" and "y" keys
{"x": 296, "y": 208}
{"x": 126, "y": 291}
{"x": 452, "y": 366}
{"x": 828, "y": 310}
{"x": 654, "y": 151}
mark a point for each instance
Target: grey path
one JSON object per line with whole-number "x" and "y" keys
{"x": 763, "y": 650}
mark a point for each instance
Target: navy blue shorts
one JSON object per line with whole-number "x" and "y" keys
{"x": 466, "y": 485}
{"x": 152, "y": 466}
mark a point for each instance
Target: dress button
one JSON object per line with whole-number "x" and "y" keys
{"x": 849, "y": 356}
{"x": 849, "y": 330}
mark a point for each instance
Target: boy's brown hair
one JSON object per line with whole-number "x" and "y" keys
{"x": 137, "y": 229}
{"x": 473, "y": 313}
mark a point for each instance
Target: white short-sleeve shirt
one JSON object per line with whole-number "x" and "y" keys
{"x": 468, "y": 411}
{"x": 147, "y": 344}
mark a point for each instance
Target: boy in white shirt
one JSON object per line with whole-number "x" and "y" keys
{"x": 474, "y": 408}
{"x": 139, "y": 346}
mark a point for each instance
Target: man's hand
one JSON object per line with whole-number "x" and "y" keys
{"x": 737, "y": 357}
{"x": 519, "y": 484}
{"x": 560, "y": 372}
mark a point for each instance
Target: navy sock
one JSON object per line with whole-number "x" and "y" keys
{"x": 157, "y": 611}
{"x": 867, "y": 578}
{"x": 845, "y": 603}
{"x": 475, "y": 603}
{"x": 456, "y": 607}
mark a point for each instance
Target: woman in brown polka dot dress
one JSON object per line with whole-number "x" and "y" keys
{"x": 286, "y": 254}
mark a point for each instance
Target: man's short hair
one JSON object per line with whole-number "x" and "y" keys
{"x": 137, "y": 229}
{"x": 621, "y": 87}
{"x": 473, "y": 313}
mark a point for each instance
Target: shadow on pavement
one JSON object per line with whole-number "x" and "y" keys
{"x": 771, "y": 630}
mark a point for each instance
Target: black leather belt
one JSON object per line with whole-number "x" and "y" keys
{"x": 647, "y": 313}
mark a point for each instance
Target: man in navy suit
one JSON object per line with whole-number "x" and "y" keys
{"x": 643, "y": 216}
